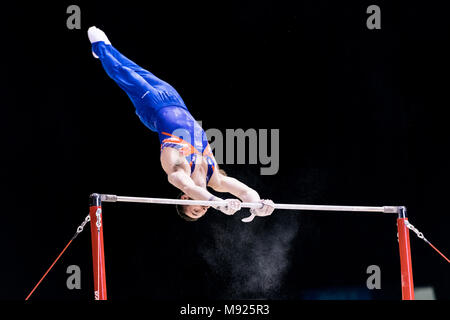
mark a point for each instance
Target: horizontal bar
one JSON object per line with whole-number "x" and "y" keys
{"x": 308, "y": 207}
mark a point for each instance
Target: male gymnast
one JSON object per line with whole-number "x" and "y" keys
{"x": 185, "y": 155}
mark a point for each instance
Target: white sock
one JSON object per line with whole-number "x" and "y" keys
{"x": 96, "y": 35}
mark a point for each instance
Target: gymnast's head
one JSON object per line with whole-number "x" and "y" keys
{"x": 190, "y": 213}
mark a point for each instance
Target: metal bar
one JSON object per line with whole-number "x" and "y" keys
{"x": 384, "y": 209}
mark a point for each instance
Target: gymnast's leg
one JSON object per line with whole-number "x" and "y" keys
{"x": 113, "y": 60}
{"x": 127, "y": 78}
{"x": 147, "y": 75}
{"x": 97, "y": 35}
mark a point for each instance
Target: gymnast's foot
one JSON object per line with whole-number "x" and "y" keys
{"x": 96, "y": 35}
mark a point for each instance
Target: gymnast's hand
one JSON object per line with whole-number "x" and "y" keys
{"x": 266, "y": 210}
{"x": 232, "y": 205}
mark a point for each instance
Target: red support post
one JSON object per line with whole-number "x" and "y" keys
{"x": 98, "y": 254}
{"x": 405, "y": 256}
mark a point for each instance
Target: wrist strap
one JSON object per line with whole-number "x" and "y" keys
{"x": 214, "y": 198}
{"x": 252, "y": 210}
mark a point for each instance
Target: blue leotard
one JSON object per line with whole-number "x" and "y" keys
{"x": 158, "y": 105}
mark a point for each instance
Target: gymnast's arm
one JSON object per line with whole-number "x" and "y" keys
{"x": 177, "y": 173}
{"x": 180, "y": 179}
{"x": 222, "y": 183}
{"x": 177, "y": 170}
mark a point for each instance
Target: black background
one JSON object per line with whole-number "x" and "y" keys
{"x": 362, "y": 117}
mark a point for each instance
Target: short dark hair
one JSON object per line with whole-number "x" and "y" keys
{"x": 180, "y": 210}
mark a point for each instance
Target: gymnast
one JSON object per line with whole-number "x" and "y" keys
{"x": 185, "y": 155}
